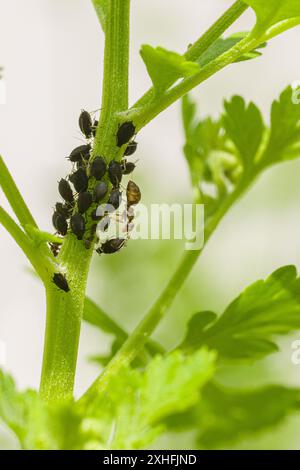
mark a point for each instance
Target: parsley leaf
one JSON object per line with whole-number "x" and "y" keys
{"x": 26, "y": 415}
{"x": 222, "y": 45}
{"x": 165, "y": 67}
{"x": 129, "y": 416}
{"x": 136, "y": 402}
{"x": 246, "y": 329}
{"x": 245, "y": 127}
{"x": 273, "y": 12}
{"x": 237, "y": 147}
{"x": 284, "y": 139}
{"x": 227, "y": 415}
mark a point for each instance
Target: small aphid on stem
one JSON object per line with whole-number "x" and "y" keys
{"x": 78, "y": 225}
{"x": 65, "y": 191}
{"x": 115, "y": 198}
{"x": 115, "y": 173}
{"x": 63, "y": 209}
{"x": 111, "y": 246}
{"x": 61, "y": 282}
{"x": 60, "y": 223}
{"x": 131, "y": 148}
{"x": 98, "y": 168}
{"x": 95, "y": 125}
{"x": 127, "y": 167}
{"x": 100, "y": 191}
{"x": 80, "y": 153}
{"x": 125, "y": 133}
{"x": 55, "y": 248}
{"x": 86, "y": 124}
{"x": 80, "y": 180}
{"x": 84, "y": 202}
{"x": 133, "y": 194}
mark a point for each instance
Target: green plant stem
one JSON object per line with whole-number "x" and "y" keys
{"x": 65, "y": 310}
{"x": 94, "y": 315}
{"x": 63, "y": 322}
{"x": 14, "y": 197}
{"x": 115, "y": 78}
{"x": 141, "y": 334}
{"x": 216, "y": 30}
{"x": 24, "y": 242}
{"x": 195, "y": 51}
{"x": 40, "y": 256}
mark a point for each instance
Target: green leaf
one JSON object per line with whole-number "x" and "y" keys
{"x": 247, "y": 327}
{"x": 165, "y": 67}
{"x": 284, "y": 139}
{"x": 26, "y": 415}
{"x": 136, "y": 403}
{"x": 272, "y": 12}
{"x": 39, "y": 426}
{"x": 188, "y": 116}
{"x": 212, "y": 163}
{"x": 102, "y": 8}
{"x": 221, "y": 152}
{"x": 222, "y": 45}
{"x": 225, "y": 415}
{"x": 245, "y": 127}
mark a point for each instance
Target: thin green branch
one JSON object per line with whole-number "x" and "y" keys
{"x": 14, "y": 197}
{"x": 195, "y": 51}
{"x": 216, "y": 30}
{"x": 115, "y": 78}
{"x": 95, "y": 315}
{"x": 143, "y": 115}
{"x": 24, "y": 242}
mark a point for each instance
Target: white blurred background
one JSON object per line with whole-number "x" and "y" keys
{"x": 52, "y": 52}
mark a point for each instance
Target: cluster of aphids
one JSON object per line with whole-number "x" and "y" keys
{"x": 90, "y": 178}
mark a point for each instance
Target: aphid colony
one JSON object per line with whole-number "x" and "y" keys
{"x": 90, "y": 178}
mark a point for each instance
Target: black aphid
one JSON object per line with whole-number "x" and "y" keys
{"x": 125, "y": 133}
{"x": 84, "y": 202}
{"x": 115, "y": 198}
{"x": 65, "y": 191}
{"x": 93, "y": 230}
{"x": 133, "y": 194}
{"x": 111, "y": 246}
{"x": 80, "y": 180}
{"x": 61, "y": 282}
{"x": 98, "y": 168}
{"x": 60, "y": 223}
{"x": 131, "y": 148}
{"x": 100, "y": 191}
{"x": 63, "y": 209}
{"x": 80, "y": 153}
{"x": 95, "y": 125}
{"x": 95, "y": 215}
{"x": 127, "y": 167}
{"x": 115, "y": 172}
{"x": 87, "y": 244}
{"x": 85, "y": 124}
{"x": 78, "y": 225}
{"x": 55, "y": 248}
